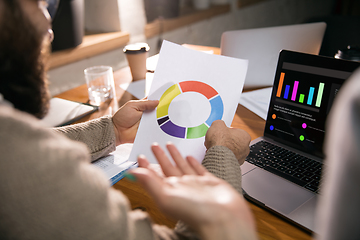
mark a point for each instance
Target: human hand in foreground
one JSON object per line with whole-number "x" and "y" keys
{"x": 126, "y": 120}
{"x": 187, "y": 191}
{"x": 237, "y": 140}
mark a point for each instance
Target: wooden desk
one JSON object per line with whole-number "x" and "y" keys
{"x": 269, "y": 226}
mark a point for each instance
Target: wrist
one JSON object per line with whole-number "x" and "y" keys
{"x": 230, "y": 229}
{"x": 117, "y": 135}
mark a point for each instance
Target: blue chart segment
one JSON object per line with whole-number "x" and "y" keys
{"x": 162, "y": 111}
{"x": 217, "y": 110}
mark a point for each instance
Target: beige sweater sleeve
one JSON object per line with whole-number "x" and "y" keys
{"x": 221, "y": 162}
{"x": 97, "y": 134}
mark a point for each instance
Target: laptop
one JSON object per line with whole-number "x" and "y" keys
{"x": 261, "y": 46}
{"x": 283, "y": 170}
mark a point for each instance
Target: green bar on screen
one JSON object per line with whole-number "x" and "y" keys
{"x": 301, "y": 98}
{"x": 320, "y": 94}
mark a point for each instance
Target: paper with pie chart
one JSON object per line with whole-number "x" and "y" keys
{"x": 183, "y": 132}
{"x": 194, "y": 89}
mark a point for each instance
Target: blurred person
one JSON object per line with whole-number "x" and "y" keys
{"x": 339, "y": 208}
{"x": 49, "y": 189}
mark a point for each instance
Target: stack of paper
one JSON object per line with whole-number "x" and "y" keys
{"x": 257, "y": 101}
{"x": 116, "y": 163}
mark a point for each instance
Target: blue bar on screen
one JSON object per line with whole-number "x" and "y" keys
{"x": 286, "y": 94}
{"x": 311, "y": 94}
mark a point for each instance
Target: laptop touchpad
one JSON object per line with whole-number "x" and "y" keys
{"x": 275, "y": 192}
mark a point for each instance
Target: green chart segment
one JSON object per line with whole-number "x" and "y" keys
{"x": 162, "y": 111}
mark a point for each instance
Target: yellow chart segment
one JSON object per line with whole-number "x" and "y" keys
{"x": 165, "y": 100}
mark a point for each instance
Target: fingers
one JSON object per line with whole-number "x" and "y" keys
{"x": 214, "y": 135}
{"x": 145, "y": 105}
{"x": 190, "y": 166}
{"x": 218, "y": 124}
{"x": 143, "y": 162}
{"x": 198, "y": 168}
{"x": 149, "y": 180}
{"x": 168, "y": 168}
{"x": 183, "y": 165}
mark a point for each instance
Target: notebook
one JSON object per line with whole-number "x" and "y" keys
{"x": 283, "y": 170}
{"x": 63, "y": 112}
{"x": 261, "y": 46}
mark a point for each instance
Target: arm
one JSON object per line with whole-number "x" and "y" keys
{"x": 102, "y": 135}
{"x": 97, "y": 134}
{"x": 49, "y": 189}
{"x": 227, "y": 150}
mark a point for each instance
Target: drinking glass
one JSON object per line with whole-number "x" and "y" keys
{"x": 100, "y": 83}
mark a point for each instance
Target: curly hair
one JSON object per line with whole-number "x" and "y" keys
{"x": 23, "y": 80}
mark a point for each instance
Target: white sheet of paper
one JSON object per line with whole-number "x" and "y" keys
{"x": 116, "y": 163}
{"x": 139, "y": 88}
{"x": 257, "y": 101}
{"x": 194, "y": 89}
{"x": 136, "y": 88}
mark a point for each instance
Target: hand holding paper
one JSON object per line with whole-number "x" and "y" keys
{"x": 237, "y": 140}
{"x": 194, "y": 89}
{"x": 126, "y": 119}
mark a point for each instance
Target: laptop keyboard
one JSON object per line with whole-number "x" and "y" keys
{"x": 287, "y": 164}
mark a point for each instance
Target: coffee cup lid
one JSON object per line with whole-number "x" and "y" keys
{"x": 136, "y": 48}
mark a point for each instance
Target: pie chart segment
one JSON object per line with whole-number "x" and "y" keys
{"x": 200, "y": 87}
{"x": 162, "y": 111}
{"x": 217, "y": 110}
{"x": 173, "y": 130}
{"x": 165, "y": 100}
{"x": 196, "y": 132}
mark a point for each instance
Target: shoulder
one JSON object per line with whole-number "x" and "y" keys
{"x": 46, "y": 179}
{"x": 25, "y": 142}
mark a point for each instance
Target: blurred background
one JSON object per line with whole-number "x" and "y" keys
{"x": 199, "y": 22}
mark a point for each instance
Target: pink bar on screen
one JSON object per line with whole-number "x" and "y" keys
{"x": 293, "y": 96}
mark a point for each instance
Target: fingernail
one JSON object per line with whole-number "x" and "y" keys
{"x": 130, "y": 176}
{"x": 169, "y": 143}
{"x": 155, "y": 144}
{"x": 141, "y": 156}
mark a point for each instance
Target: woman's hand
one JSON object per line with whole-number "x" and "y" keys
{"x": 187, "y": 191}
{"x": 126, "y": 120}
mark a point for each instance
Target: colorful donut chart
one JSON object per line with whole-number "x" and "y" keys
{"x": 162, "y": 111}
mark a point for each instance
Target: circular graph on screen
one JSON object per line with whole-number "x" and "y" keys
{"x": 172, "y": 129}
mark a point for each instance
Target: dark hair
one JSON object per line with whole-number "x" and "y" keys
{"x": 22, "y": 70}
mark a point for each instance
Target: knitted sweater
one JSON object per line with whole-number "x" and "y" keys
{"x": 49, "y": 189}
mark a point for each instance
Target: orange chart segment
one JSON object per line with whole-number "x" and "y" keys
{"x": 195, "y": 86}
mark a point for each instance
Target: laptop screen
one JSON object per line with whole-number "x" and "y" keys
{"x": 304, "y": 89}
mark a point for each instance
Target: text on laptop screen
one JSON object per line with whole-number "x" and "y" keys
{"x": 304, "y": 89}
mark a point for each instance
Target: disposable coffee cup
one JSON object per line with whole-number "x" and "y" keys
{"x": 136, "y": 55}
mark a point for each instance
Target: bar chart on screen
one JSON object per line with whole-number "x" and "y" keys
{"x": 300, "y": 93}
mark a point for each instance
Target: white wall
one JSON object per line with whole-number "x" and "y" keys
{"x": 207, "y": 32}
